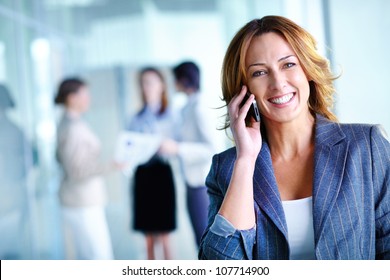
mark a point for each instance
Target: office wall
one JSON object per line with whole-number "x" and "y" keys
{"x": 360, "y": 50}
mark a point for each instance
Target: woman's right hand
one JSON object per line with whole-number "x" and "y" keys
{"x": 117, "y": 165}
{"x": 237, "y": 205}
{"x": 247, "y": 138}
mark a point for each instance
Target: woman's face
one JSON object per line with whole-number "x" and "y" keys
{"x": 276, "y": 78}
{"x": 152, "y": 87}
{"x": 80, "y": 100}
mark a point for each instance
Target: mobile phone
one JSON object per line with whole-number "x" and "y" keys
{"x": 253, "y": 110}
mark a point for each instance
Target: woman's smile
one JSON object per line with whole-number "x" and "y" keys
{"x": 282, "y": 99}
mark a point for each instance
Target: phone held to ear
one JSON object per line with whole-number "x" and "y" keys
{"x": 253, "y": 110}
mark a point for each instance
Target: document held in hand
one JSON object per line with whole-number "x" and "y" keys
{"x": 135, "y": 148}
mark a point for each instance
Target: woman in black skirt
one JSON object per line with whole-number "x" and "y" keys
{"x": 154, "y": 190}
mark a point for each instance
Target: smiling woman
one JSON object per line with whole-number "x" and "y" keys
{"x": 276, "y": 78}
{"x": 297, "y": 185}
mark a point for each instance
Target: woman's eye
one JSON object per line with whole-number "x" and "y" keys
{"x": 259, "y": 73}
{"x": 289, "y": 65}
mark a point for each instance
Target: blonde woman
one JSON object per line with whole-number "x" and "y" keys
{"x": 297, "y": 184}
{"x": 154, "y": 198}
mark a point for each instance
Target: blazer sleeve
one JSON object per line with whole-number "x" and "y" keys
{"x": 380, "y": 149}
{"x": 221, "y": 241}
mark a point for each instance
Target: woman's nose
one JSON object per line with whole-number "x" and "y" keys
{"x": 277, "y": 81}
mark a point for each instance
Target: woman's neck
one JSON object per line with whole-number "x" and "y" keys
{"x": 72, "y": 112}
{"x": 291, "y": 139}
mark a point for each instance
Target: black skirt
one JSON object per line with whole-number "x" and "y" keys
{"x": 154, "y": 197}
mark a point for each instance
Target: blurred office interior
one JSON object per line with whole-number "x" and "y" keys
{"x": 107, "y": 42}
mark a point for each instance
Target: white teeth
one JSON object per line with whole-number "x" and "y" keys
{"x": 281, "y": 100}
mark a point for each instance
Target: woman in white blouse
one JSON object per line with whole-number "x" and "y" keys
{"x": 194, "y": 146}
{"x": 82, "y": 192}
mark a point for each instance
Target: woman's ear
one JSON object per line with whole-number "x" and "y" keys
{"x": 71, "y": 99}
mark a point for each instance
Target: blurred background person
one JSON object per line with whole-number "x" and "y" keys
{"x": 13, "y": 173}
{"x": 154, "y": 199}
{"x": 195, "y": 145}
{"x": 82, "y": 192}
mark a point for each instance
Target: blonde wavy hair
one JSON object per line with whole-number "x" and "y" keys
{"x": 315, "y": 66}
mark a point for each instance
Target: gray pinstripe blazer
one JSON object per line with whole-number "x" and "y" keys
{"x": 351, "y": 199}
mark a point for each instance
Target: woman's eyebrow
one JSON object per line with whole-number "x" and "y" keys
{"x": 279, "y": 60}
{"x": 285, "y": 57}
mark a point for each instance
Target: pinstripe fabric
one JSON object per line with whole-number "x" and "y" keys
{"x": 351, "y": 199}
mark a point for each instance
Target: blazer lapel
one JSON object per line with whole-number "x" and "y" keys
{"x": 329, "y": 156}
{"x": 265, "y": 189}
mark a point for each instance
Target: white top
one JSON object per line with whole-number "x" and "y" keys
{"x": 196, "y": 140}
{"x": 299, "y": 217}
